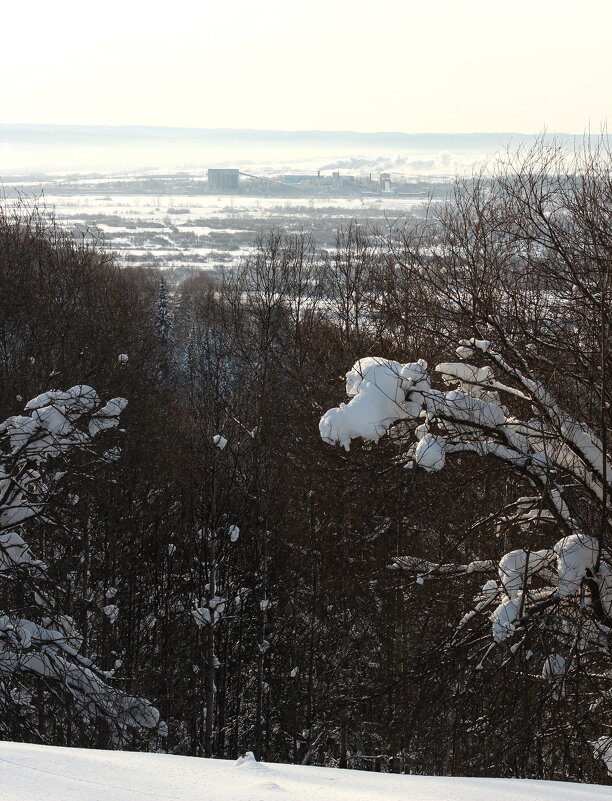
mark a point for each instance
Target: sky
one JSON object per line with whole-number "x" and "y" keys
{"x": 382, "y": 65}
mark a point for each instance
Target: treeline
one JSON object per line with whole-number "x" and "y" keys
{"x": 230, "y": 566}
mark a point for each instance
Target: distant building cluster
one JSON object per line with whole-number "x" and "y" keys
{"x": 234, "y": 181}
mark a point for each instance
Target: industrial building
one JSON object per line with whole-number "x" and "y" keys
{"x": 223, "y": 180}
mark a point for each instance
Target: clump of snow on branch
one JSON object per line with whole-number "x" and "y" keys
{"x": 112, "y": 612}
{"x": 210, "y": 612}
{"x": 107, "y": 416}
{"x": 504, "y": 618}
{"x": 15, "y": 552}
{"x": 603, "y": 749}
{"x": 430, "y": 453}
{"x": 553, "y": 671}
{"x": 516, "y": 567}
{"x": 377, "y": 388}
{"x": 576, "y": 554}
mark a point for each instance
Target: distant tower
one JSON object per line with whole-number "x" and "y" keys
{"x": 385, "y": 181}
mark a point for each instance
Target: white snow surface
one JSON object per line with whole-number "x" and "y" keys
{"x": 48, "y": 773}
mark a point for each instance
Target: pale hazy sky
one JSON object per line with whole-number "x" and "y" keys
{"x": 393, "y": 65}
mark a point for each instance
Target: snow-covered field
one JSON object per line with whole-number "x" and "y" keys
{"x": 213, "y": 232}
{"x": 45, "y": 773}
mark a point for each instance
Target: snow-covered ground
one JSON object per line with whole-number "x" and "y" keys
{"x": 45, "y": 773}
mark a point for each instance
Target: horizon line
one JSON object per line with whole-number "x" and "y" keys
{"x": 225, "y": 129}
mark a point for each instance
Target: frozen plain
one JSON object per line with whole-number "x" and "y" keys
{"x": 213, "y": 232}
{"x": 48, "y": 773}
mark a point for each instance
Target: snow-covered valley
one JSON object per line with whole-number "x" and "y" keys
{"x": 187, "y": 233}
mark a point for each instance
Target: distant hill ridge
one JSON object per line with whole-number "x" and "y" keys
{"x": 30, "y": 133}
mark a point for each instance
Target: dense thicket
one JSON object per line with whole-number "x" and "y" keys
{"x": 255, "y": 608}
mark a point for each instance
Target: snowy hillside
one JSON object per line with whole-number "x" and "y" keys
{"x": 44, "y": 773}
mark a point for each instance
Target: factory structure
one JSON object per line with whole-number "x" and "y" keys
{"x": 235, "y": 182}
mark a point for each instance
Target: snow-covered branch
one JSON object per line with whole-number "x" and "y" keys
{"x": 552, "y": 449}
{"x": 32, "y": 448}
